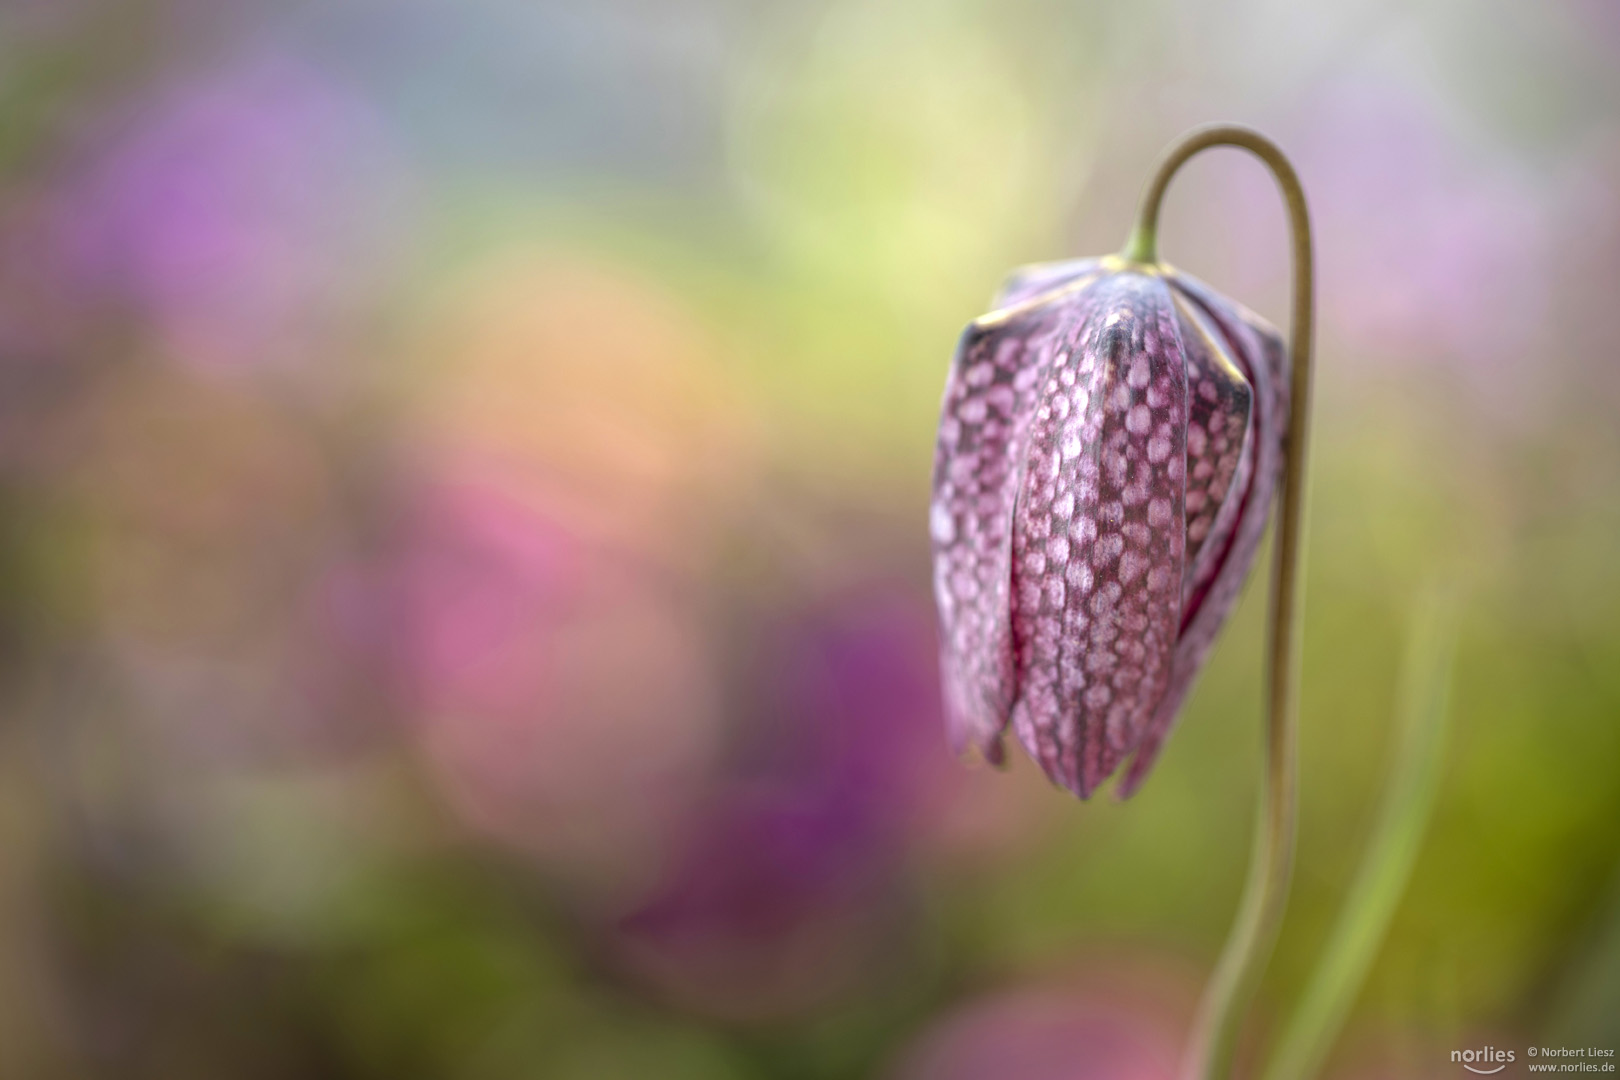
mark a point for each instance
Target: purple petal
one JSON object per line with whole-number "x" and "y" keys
{"x": 1257, "y": 350}
{"x": 1220, "y": 458}
{"x": 1030, "y": 282}
{"x": 989, "y": 401}
{"x": 1099, "y": 533}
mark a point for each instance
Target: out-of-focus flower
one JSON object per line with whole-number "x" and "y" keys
{"x": 849, "y": 708}
{"x": 1046, "y": 1033}
{"x": 599, "y": 388}
{"x": 565, "y": 695}
{"x": 569, "y": 459}
{"x": 1110, "y": 439}
{"x": 790, "y": 886}
{"x": 783, "y": 900}
{"x": 1432, "y": 249}
{"x": 244, "y": 216}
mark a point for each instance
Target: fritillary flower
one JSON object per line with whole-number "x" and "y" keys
{"x": 1109, "y": 444}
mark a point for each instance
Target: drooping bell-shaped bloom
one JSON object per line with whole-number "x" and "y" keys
{"x": 1109, "y": 443}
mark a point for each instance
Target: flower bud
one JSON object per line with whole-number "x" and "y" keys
{"x": 1110, "y": 439}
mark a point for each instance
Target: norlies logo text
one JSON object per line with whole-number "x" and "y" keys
{"x": 1488, "y": 1056}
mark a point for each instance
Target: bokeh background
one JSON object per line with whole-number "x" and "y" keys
{"x": 463, "y": 566}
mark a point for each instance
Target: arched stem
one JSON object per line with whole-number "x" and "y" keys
{"x": 1231, "y": 986}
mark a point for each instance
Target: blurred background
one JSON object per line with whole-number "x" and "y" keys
{"x": 464, "y": 582}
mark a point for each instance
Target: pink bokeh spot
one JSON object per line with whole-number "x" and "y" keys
{"x": 240, "y": 214}
{"x": 1044, "y": 1034}
{"x": 481, "y": 574}
{"x": 564, "y": 696}
{"x": 1430, "y": 246}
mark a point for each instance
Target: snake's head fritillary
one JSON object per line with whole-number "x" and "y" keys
{"x": 1109, "y": 444}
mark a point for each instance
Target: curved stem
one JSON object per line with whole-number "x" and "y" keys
{"x": 1210, "y": 1047}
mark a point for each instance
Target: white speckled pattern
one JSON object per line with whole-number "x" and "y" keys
{"x": 1108, "y": 448}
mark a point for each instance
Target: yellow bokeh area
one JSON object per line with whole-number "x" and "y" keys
{"x": 596, "y": 385}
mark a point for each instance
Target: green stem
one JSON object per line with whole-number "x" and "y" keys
{"x": 1392, "y": 850}
{"x": 1248, "y": 945}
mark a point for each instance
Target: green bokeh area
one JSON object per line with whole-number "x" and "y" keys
{"x": 464, "y": 571}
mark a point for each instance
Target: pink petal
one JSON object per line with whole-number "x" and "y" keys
{"x": 1257, "y": 350}
{"x": 1220, "y": 458}
{"x": 1033, "y": 281}
{"x": 989, "y": 400}
{"x": 1099, "y": 533}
